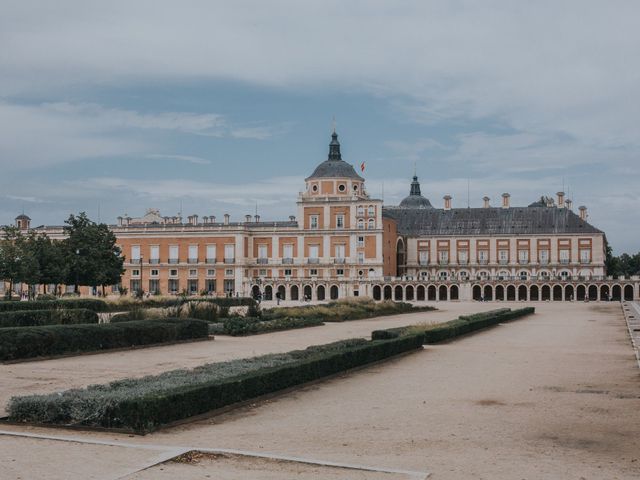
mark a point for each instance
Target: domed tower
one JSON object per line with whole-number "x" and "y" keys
{"x": 415, "y": 198}
{"x": 23, "y": 222}
{"x": 341, "y": 226}
{"x": 334, "y": 177}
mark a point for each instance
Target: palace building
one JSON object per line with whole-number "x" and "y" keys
{"x": 344, "y": 243}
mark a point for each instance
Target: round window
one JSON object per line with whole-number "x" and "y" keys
{"x": 355, "y": 188}
{"x": 342, "y": 188}
{"x": 360, "y": 273}
{"x": 314, "y": 188}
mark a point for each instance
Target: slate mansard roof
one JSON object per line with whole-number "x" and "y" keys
{"x": 488, "y": 221}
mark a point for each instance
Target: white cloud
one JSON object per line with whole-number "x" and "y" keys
{"x": 181, "y": 158}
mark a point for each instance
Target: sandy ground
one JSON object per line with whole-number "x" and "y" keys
{"x": 78, "y": 371}
{"x": 555, "y": 395}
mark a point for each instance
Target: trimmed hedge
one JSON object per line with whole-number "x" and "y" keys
{"x": 73, "y": 303}
{"x": 455, "y": 328}
{"x": 143, "y": 405}
{"x": 30, "y": 318}
{"x": 50, "y": 340}
{"x": 238, "y": 326}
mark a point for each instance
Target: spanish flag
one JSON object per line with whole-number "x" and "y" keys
{"x": 362, "y": 165}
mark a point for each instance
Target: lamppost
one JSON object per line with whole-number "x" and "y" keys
{"x": 77, "y": 274}
{"x": 141, "y": 276}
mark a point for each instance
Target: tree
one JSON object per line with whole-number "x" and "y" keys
{"x": 10, "y": 265}
{"x": 93, "y": 257}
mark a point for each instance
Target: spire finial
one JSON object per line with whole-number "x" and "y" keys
{"x": 334, "y": 146}
{"x": 333, "y": 125}
{"x": 415, "y": 169}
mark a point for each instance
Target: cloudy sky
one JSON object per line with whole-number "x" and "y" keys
{"x": 212, "y": 107}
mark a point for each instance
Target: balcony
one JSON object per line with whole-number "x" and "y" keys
{"x": 544, "y": 261}
{"x": 173, "y": 261}
{"x": 230, "y": 260}
{"x": 585, "y": 261}
{"x": 483, "y": 261}
{"x": 339, "y": 260}
{"x": 154, "y": 261}
{"x": 443, "y": 261}
{"x": 192, "y": 260}
{"x": 564, "y": 261}
{"x": 211, "y": 260}
{"x": 423, "y": 262}
{"x": 263, "y": 261}
{"x": 463, "y": 261}
{"x": 136, "y": 261}
{"x": 287, "y": 261}
{"x": 523, "y": 261}
{"x": 503, "y": 261}
{"x": 313, "y": 261}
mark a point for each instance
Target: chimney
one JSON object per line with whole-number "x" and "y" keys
{"x": 119, "y": 221}
{"x": 247, "y": 218}
{"x": 205, "y": 220}
{"x": 226, "y": 218}
{"x": 292, "y": 218}
{"x": 213, "y": 218}
{"x": 505, "y": 200}
{"x": 583, "y": 212}
{"x": 560, "y": 199}
{"x": 486, "y": 199}
{"x": 569, "y": 203}
{"x": 257, "y": 218}
{"x": 447, "y": 202}
{"x": 193, "y": 219}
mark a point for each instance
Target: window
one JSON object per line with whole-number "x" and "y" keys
{"x": 360, "y": 211}
{"x": 424, "y": 275}
{"x": 155, "y": 272}
{"x": 173, "y": 253}
{"x": 313, "y": 251}
{"x": 193, "y": 254}
{"x": 154, "y": 256}
{"x": 564, "y": 256}
{"x": 443, "y": 275}
{"x": 463, "y": 256}
{"x": 313, "y": 272}
{"x": 314, "y": 188}
{"x": 135, "y": 273}
{"x": 211, "y": 272}
{"x": 135, "y": 254}
{"x": 360, "y": 224}
{"x": 229, "y": 253}
{"x": 262, "y": 252}
{"x": 134, "y": 286}
{"x": 192, "y": 286}
{"x": 229, "y": 287}
{"x": 372, "y": 211}
{"x": 287, "y": 272}
{"x": 262, "y": 272}
{"x": 523, "y": 256}
{"x": 229, "y": 272}
{"x": 211, "y": 253}
{"x": 173, "y": 273}
{"x": 443, "y": 256}
{"x": 287, "y": 251}
{"x": 360, "y": 257}
{"x": 372, "y": 224}
{"x": 342, "y": 187}
{"x": 483, "y": 256}
{"x": 313, "y": 222}
{"x": 423, "y": 257}
{"x": 585, "y": 256}
{"x": 339, "y": 251}
{"x": 544, "y": 256}
{"x": 340, "y": 272}
{"x": 154, "y": 287}
{"x": 210, "y": 286}
{"x": 361, "y": 241}
{"x": 523, "y": 275}
{"x": 339, "y": 221}
{"x": 464, "y": 276}
{"x": 503, "y": 256}
{"x": 193, "y": 272}
{"x": 174, "y": 286}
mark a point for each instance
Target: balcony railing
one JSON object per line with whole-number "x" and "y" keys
{"x": 173, "y": 261}
{"x": 211, "y": 260}
{"x": 544, "y": 261}
{"x": 154, "y": 261}
{"x": 483, "y": 261}
{"x": 287, "y": 261}
{"x": 230, "y": 260}
{"x": 564, "y": 261}
{"x": 423, "y": 262}
{"x": 585, "y": 261}
{"x": 503, "y": 261}
{"x": 463, "y": 261}
{"x": 135, "y": 261}
{"x": 523, "y": 261}
{"x": 192, "y": 260}
{"x": 313, "y": 261}
{"x": 443, "y": 261}
{"x": 263, "y": 261}
{"x": 339, "y": 260}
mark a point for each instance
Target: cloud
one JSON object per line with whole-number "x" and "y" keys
{"x": 181, "y": 158}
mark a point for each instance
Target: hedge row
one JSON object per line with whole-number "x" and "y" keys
{"x": 238, "y": 326}
{"x": 50, "y": 340}
{"x": 143, "y": 405}
{"x": 454, "y": 328}
{"x": 73, "y": 303}
{"x": 30, "y": 318}
{"x": 151, "y": 302}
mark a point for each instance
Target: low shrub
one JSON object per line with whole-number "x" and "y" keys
{"x": 247, "y": 326}
{"x": 343, "y": 310}
{"x": 437, "y": 332}
{"x": 144, "y": 404}
{"x": 72, "y": 303}
{"x": 29, "y": 318}
{"x": 51, "y": 340}
{"x": 125, "y": 304}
